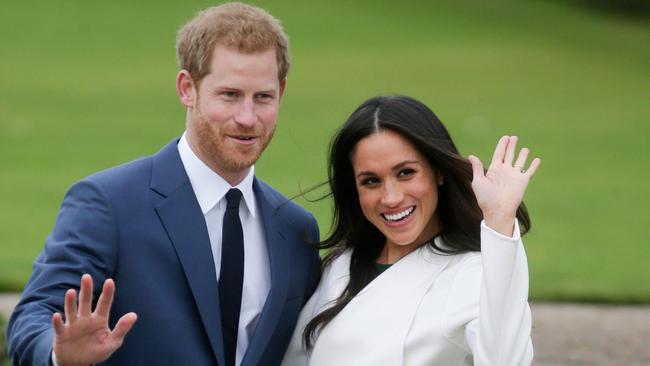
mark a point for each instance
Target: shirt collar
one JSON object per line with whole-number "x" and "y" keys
{"x": 209, "y": 187}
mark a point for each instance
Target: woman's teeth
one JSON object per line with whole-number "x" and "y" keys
{"x": 400, "y": 215}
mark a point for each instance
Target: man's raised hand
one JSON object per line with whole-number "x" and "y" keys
{"x": 85, "y": 338}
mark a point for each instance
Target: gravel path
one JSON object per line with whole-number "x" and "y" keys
{"x": 566, "y": 334}
{"x": 7, "y": 303}
{"x": 570, "y": 334}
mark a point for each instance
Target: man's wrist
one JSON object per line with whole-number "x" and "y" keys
{"x": 54, "y": 363}
{"x": 54, "y": 359}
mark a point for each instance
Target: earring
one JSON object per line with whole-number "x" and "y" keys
{"x": 441, "y": 181}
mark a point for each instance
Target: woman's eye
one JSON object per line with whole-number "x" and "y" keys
{"x": 406, "y": 172}
{"x": 369, "y": 181}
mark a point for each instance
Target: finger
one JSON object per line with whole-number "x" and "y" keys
{"x": 105, "y": 299}
{"x": 85, "y": 295}
{"x": 70, "y": 306}
{"x": 510, "y": 151}
{"x": 477, "y": 167}
{"x": 123, "y": 326}
{"x": 533, "y": 167}
{"x": 57, "y": 323}
{"x": 521, "y": 159}
{"x": 500, "y": 150}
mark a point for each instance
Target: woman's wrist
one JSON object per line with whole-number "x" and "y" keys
{"x": 503, "y": 223}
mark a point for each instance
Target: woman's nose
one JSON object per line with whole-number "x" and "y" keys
{"x": 392, "y": 194}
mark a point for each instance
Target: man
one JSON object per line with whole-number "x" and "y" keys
{"x": 201, "y": 263}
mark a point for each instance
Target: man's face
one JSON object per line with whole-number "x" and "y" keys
{"x": 234, "y": 114}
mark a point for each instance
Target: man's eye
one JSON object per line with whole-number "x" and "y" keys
{"x": 265, "y": 97}
{"x": 229, "y": 94}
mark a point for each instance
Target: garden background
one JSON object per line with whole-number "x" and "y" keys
{"x": 88, "y": 85}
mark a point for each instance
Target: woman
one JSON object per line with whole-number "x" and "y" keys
{"x": 427, "y": 266}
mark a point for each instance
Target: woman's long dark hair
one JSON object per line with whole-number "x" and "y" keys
{"x": 458, "y": 211}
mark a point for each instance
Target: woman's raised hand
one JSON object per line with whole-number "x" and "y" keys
{"x": 500, "y": 190}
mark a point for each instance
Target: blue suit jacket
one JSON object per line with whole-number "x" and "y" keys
{"x": 140, "y": 224}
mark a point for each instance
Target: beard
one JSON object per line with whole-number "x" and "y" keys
{"x": 225, "y": 155}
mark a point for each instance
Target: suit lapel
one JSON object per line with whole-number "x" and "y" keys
{"x": 183, "y": 220}
{"x": 280, "y": 264}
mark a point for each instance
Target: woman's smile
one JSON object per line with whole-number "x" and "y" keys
{"x": 398, "y": 193}
{"x": 399, "y": 217}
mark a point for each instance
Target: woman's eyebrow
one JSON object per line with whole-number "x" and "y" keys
{"x": 396, "y": 167}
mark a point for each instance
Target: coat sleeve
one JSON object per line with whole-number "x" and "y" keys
{"x": 500, "y": 334}
{"x": 83, "y": 240}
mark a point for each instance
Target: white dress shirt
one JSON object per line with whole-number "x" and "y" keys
{"x": 210, "y": 190}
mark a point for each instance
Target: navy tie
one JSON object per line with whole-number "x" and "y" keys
{"x": 231, "y": 275}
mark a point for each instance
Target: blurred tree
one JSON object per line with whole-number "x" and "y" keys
{"x": 631, "y": 8}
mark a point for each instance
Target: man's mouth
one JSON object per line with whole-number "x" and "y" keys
{"x": 399, "y": 216}
{"x": 243, "y": 139}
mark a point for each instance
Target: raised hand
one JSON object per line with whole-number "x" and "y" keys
{"x": 84, "y": 338}
{"x": 500, "y": 190}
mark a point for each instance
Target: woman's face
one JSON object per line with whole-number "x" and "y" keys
{"x": 398, "y": 190}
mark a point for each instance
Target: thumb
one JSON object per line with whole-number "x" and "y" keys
{"x": 122, "y": 327}
{"x": 477, "y": 167}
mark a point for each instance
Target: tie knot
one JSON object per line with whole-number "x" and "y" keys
{"x": 232, "y": 198}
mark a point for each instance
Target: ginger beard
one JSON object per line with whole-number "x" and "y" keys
{"x": 218, "y": 147}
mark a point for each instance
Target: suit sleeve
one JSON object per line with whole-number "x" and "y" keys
{"x": 84, "y": 240}
{"x": 500, "y": 334}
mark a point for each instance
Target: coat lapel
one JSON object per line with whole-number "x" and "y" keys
{"x": 183, "y": 220}
{"x": 372, "y": 328}
{"x": 280, "y": 264}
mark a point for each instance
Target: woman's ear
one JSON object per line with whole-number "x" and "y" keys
{"x": 186, "y": 88}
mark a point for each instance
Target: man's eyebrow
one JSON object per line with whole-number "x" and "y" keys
{"x": 269, "y": 91}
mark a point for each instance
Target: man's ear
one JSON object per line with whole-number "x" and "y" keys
{"x": 283, "y": 83}
{"x": 186, "y": 88}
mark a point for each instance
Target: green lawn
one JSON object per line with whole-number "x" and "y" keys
{"x": 86, "y": 85}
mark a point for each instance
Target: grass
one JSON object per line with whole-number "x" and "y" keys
{"x": 3, "y": 341}
{"x": 86, "y": 85}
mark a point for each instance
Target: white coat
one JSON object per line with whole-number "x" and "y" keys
{"x": 427, "y": 309}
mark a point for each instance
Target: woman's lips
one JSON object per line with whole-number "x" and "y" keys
{"x": 398, "y": 218}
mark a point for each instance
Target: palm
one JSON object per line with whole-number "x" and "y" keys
{"x": 500, "y": 190}
{"x": 91, "y": 335}
{"x": 85, "y": 337}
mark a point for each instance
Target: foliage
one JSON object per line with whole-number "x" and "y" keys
{"x": 630, "y": 8}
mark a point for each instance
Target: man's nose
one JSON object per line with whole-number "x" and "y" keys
{"x": 246, "y": 116}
